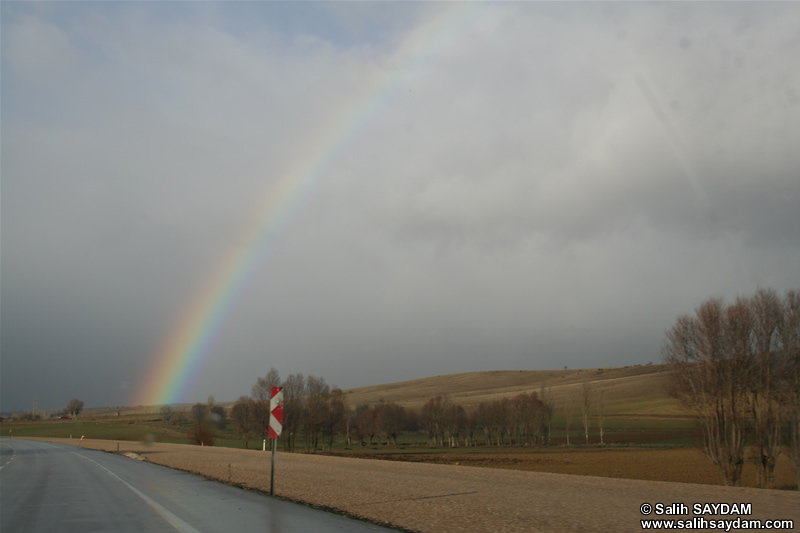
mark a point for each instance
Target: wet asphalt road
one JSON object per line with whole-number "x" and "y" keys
{"x": 52, "y": 487}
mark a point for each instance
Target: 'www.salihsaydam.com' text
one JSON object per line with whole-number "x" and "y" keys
{"x": 698, "y": 522}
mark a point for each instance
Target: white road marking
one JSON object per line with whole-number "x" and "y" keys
{"x": 13, "y": 454}
{"x": 174, "y": 521}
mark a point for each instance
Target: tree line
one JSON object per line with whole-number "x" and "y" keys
{"x": 522, "y": 420}
{"x": 72, "y": 409}
{"x": 385, "y": 420}
{"x": 206, "y": 417}
{"x": 311, "y": 409}
{"x": 316, "y": 414}
{"x": 737, "y": 367}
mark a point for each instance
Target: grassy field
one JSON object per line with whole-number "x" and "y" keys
{"x": 647, "y": 435}
{"x": 632, "y": 390}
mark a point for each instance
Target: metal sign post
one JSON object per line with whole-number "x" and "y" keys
{"x": 275, "y": 428}
{"x": 272, "y": 468}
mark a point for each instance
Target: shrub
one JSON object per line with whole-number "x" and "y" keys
{"x": 202, "y": 435}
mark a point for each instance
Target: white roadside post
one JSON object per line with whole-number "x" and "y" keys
{"x": 275, "y": 427}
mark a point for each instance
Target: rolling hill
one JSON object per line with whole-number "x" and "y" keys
{"x": 639, "y": 390}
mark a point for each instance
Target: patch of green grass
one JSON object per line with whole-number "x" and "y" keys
{"x": 655, "y": 405}
{"x": 647, "y": 423}
{"x": 77, "y": 428}
{"x": 653, "y": 431}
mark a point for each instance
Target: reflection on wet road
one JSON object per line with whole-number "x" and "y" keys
{"x": 53, "y": 487}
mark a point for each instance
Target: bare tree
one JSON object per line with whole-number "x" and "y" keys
{"x": 243, "y": 417}
{"x": 586, "y": 404}
{"x": 522, "y": 413}
{"x": 178, "y": 417}
{"x": 412, "y": 420}
{"x": 336, "y": 416}
{"x": 74, "y": 407}
{"x": 601, "y": 413}
{"x": 167, "y": 414}
{"x": 391, "y": 419}
{"x": 310, "y": 409}
{"x": 367, "y": 423}
{"x": 431, "y": 415}
{"x": 500, "y": 415}
{"x": 262, "y": 390}
{"x": 737, "y": 367}
{"x": 214, "y": 414}
{"x": 202, "y": 435}
{"x": 260, "y": 418}
{"x": 219, "y": 417}
{"x": 483, "y": 419}
{"x": 315, "y": 411}
{"x": 760, "y": 321}
{"x": 440, "y": 417}
{"x": 454, "y": 419}
{"x": 293, "y": 409}
{"x": 567, "y": 419}
{"x": 524, "y": 419}
{"x": 711, "y": 378}
{"x": 200, "y": 413}
{"x": 210, "y": 403}
{"x": 546, "y": 395}
{"x": 471, "y": 428}
{"x": 526, "y": 411}
{"x": 790, "y": 343}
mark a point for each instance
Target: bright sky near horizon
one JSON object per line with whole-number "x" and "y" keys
{"x": 194, "y": 192}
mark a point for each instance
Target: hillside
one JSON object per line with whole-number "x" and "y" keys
{"x": 633, "y": 390}
{"x": 639, "y": 391}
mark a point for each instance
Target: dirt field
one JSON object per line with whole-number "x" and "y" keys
{"x": 443, "y": 498}
{"x": 682, "y": 465}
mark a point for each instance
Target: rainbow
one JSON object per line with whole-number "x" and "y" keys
{"x": 180, "y": 358}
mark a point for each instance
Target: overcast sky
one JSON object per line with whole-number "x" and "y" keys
{"x": 515, "y": 186}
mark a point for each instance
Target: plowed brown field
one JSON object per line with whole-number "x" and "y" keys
{"x": 683, "y": 465}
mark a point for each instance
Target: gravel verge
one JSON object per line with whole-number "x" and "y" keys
{"x": 443, "y": 498}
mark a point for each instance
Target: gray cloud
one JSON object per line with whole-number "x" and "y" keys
{"x": 537, "y": 185}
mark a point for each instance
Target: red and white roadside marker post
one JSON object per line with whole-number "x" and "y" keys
{"x": 275, "y": 427}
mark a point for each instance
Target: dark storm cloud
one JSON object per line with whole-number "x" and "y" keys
{"x": 549, "y": 186}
